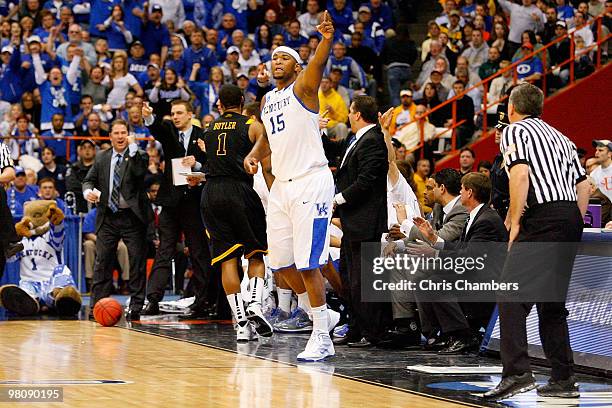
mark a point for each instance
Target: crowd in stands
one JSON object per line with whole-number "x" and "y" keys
{"x": 70, "y": 67}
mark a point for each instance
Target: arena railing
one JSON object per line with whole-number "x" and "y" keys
{"x": 485, "y": 84}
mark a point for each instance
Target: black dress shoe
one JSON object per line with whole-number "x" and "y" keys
{"x": 195, "y": 315}
{"x": 363, "y": 343}
{"x": 401, "y": 338}
{"x": 435, "y": 343}
{"x": 151, "y": 309}
{"x": 560, "y": 389}
{"x": 459, "y": 345}
{"x": 12, "y": 248}
{"x": 132, "y": 315}
{"x": 511, "y": 385}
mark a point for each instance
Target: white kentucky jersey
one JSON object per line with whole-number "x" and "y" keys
{"x": 293, "y": 132}
{"x": 41, "y": 254}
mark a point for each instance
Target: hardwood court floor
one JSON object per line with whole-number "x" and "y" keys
{"x": 161, "y": 372}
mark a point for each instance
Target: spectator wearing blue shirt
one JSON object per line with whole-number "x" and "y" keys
{"x": 239, "y": 9}
{"x": 74, "y": 90}
{"x": 20, "y": 192}
{"x": 11, "y": 74}
{"x": 54, "y": 92}
{"x": 100, "y": 11}
{"x": 381, "y": 13}
{"x": 189, "y": 6}
{"x": 208, "y": 13}
{"x": 468, "y": 11}
{"x": 371, "y": 29}
{"x": 228, "y": 26}
{"x": 263, "y": 40}
{"x": 199, "y": 53}
{"x": 293, "y": 38}
{"x": 176, "y": 61}
{"x": 134, "y": 15}
{"x": 341, "y": 14}
{"x": 155, "y": 35}
{"x": 55, "y": 8}
{"x": 47, "y": 60}
{"x": 117, "y": 34}
{"x": 350, "y": 68}
{"x": 137, "y": 128}
{"x": 47, "y": 22}
{"x": 207, "y": 93}
{"x": 55, "y": 139}
{"x": 137, "y": 63}
{"x": 530, "y": 70}
{"x": 564, "y": 11}
{"x": 212, "y": 42}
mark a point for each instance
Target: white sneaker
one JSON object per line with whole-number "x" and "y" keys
{"x": 319, "y": 347}
{"x": 333, "y": 318}
{"x": 255, "y": 315}
{"x": 246, "y": 332}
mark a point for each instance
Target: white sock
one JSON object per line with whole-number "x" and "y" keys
{"x": 319, "y": 318}
{"x": 237, "y": 305}
{"x": 256, "y": 285}
{"x": 304, "y": 303}
{"x": 284, "y": 299}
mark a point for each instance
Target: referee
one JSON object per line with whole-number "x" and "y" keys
{"x": 9, "y": 241}
{"x": 548, "y": 196}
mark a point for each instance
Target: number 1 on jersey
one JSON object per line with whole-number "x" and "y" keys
{"x": 280, "y": 123}
{"x": 221, "y": 146}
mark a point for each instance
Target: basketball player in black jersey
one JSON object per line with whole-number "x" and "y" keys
{"x": 232, "y": 210}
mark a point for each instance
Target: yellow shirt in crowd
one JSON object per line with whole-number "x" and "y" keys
{"x": 409, "y": 116}
{"x": 420, "y": 193}
{"x": 338, "y": 112}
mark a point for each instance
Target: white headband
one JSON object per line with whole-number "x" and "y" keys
{"x": 289, "y": 51}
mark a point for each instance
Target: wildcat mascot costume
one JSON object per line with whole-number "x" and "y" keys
{"x": 45, "y": 283}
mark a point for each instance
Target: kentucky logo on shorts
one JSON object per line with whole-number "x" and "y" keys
{"x": 322, "y": 209}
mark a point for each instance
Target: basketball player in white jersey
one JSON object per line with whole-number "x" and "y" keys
{"x": 300, "y": 202}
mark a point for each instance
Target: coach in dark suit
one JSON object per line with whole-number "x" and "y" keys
{"x": 181, "y": 211}
{"x": 361, "y": 181}
{"x": 123, "y": 213}
{"x": 483, "y": 225}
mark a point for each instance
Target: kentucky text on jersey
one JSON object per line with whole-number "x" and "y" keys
{"x": 36, "y": 252}
{"x": 275, "y": 106}
{"x": 224, "y": 126}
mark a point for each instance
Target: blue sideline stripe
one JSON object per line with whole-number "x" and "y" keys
{"x": 319, "y": 233}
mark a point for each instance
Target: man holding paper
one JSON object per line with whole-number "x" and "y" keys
{"x": 115, "y": 183}
{"x": 179, "y": 197}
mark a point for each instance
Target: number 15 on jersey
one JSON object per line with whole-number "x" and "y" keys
{"x": 278, "y": 124}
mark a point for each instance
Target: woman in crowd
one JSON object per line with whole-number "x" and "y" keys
{"x": 499, "y": 39}
{"x": 117, "y": 35}
{"x": 166, "y": 90}
{"x": 120, "y": 82}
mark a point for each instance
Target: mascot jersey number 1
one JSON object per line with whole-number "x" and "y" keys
{"x": 45, "y": 283}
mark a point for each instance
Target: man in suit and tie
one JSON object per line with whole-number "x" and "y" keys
{"x": 361, "y": 203}
{"x": 482, "y": 225}
{"x": 448, "y": 218}
{"x": 181, "y": 206}
{"x": 116, "y": 184}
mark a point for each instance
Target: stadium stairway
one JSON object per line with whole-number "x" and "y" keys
{"x": 580, "y": 111}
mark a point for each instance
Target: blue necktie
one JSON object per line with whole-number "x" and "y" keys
{"x": 351, "y": 141}
{"x": 114, "y": 204}
{"x": 182, "y": 139}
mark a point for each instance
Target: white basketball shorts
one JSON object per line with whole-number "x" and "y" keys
{"x": 299, "y": 213}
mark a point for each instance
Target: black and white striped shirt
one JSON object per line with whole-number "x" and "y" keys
{"x": 5, "y": 157}
{"x": 554, "y": 167}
